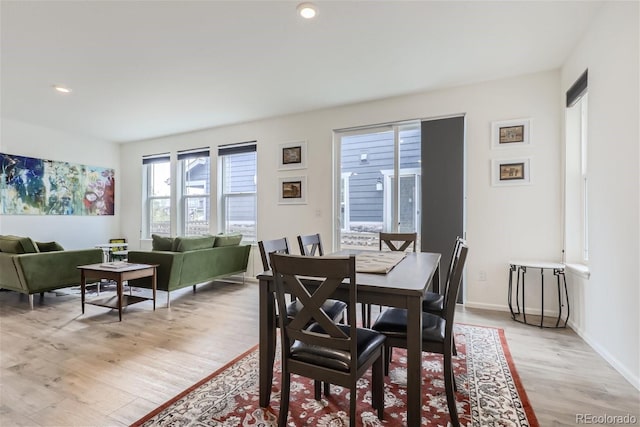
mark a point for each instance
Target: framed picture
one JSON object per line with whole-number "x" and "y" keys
{"x": 293, "y": 190}
{"x": 510, "y": 172}
{"x": 509, "y": 134}
{"x": 293, "y": 155}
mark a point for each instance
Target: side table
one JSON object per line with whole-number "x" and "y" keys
{"x": 107, "y": 249}
{"x": 118, "y": 272}
{"x": 520, "y": 268}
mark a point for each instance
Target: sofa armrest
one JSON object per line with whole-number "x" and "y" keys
{"x": 45, "y": 271}
{"x": 9, "y": 275}
{"x": 169, "y": 267}
{"x": 232, "y": 259}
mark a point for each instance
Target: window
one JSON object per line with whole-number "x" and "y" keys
{"x": 195, "y": 191}
{"x": 157, "y": 207}
{"x": 576, "y": 174}
{"x": 237, "y": 183}
{"x": 379, "y": 183}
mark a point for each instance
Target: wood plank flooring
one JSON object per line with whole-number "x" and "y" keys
{"x": 61, "y": 368}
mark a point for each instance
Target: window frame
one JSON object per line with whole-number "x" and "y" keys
{"x": 224, "y": 197}
{"x": 184, "y": 197}
{"x": 576, "y": 182}
{"x": 391, "y": 213}
{"x": 149, "y": 163}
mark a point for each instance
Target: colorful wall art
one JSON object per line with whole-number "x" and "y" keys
{"x": 30, "y": 186}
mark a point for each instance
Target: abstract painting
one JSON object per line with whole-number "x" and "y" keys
{"x": 31, "y": 186}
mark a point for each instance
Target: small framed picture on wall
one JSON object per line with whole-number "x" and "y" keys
{"x": 293, "y": 190}
{"x": 510, "y": 134}
{"x": 510, "y": 172}
{"x": 293, "y": 155}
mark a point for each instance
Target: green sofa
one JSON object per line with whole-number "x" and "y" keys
{"x": 188, "y": 261}
{"x": 33, "y": 267}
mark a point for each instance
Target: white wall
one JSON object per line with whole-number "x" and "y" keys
{"x": 72, "y": 232}
{"x": 606, "y": 313}
{"x": 502, "y": 222}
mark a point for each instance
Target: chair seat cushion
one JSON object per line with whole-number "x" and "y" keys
{"x": 369, "y": 341}
{"x": 433, "y": 303}
{"x": 333, "y": 308}
{"x": 393, "y": 323}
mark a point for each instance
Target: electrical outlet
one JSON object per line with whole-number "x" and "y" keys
{"x": 482, "y": 276}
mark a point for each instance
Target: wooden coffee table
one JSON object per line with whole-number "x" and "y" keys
{"x": 123, "y": 271}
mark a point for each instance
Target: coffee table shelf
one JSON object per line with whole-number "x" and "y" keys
{"x": 124, "y": 272}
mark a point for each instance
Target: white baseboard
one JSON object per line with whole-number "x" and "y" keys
{"x": 614, "y": 362}
{"x": 499, "y": 307}
{"x": 494, "y": 307}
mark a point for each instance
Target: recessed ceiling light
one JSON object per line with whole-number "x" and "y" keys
{"x": 62, "y": 89}
{"x": 307, "y": 10}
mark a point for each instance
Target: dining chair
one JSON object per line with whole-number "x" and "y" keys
{"x": 434, "y": 302}
{"x": 398, "y": 242}
{"x": 437, "y": 331}
{"x": 310, "y": 245}
{"x": 334, "y": 308}
{"x": 324, "y": 351}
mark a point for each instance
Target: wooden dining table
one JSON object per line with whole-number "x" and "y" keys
{"x": 404, "y": 287}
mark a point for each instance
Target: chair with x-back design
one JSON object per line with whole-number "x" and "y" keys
{"x": 397, "y": 242}
{"x": 310, "y": 245}
{"x": 313, "y": 345}
{"x": 437, "y": 330}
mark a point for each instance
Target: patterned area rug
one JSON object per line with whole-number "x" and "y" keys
{"x": 489, "y": 393}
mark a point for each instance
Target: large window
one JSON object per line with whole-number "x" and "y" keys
{"x": 237, "y": 183}
{"x": 379, "y": 183}
{"x": 157, "y": 207}
{"x": 576, "y": 174}
{"x": 195, "y": 191}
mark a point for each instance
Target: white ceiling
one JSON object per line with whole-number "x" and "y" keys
{"x": 142, "y": 69}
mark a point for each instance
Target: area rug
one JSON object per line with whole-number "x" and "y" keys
{"x": 489, "y": 392}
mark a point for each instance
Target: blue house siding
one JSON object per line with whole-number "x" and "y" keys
{"x": 366, "y": 203}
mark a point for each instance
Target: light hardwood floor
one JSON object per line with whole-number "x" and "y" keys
{"x": 61, "y": 368}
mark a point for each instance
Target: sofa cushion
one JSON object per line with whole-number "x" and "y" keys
{"x": 184, "y": 244}
{"x": 17, "y": 245}
{"x": 228, "y": 240}
{"x": 161, "y": 243}
{"x": 49, "y": 246}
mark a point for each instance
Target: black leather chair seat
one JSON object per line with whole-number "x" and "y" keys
{"x": 368, "y": 342}
{"x": 334, "y": 309}
{"x": 393, "y": 322}
{"x": 433, "y": 302}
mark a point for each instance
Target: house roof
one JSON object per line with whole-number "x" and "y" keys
{"x": 144, "y": 69}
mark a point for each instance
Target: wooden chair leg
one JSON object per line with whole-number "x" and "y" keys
{"x": 352, "y": 406}
{"x": 377, "y": 377}
{"x": 388, "y": 351}
{"x": 449, "y": 386}
{"x": 317, "y": 389}
{"x": 364, "y": 314}
{"x": 327, "y": 389}
{"x": 284, "y": 399}
{"x": 454, "y": 351}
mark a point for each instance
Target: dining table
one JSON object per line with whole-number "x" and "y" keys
{"x": 403, "y": 286}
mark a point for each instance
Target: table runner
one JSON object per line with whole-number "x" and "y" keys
{"x": 378, "y": 262}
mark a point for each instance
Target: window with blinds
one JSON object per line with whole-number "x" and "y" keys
{"x": 157, "y": 195}
{"x": 238, "y": 189}
{"x": 195, "y": 191}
